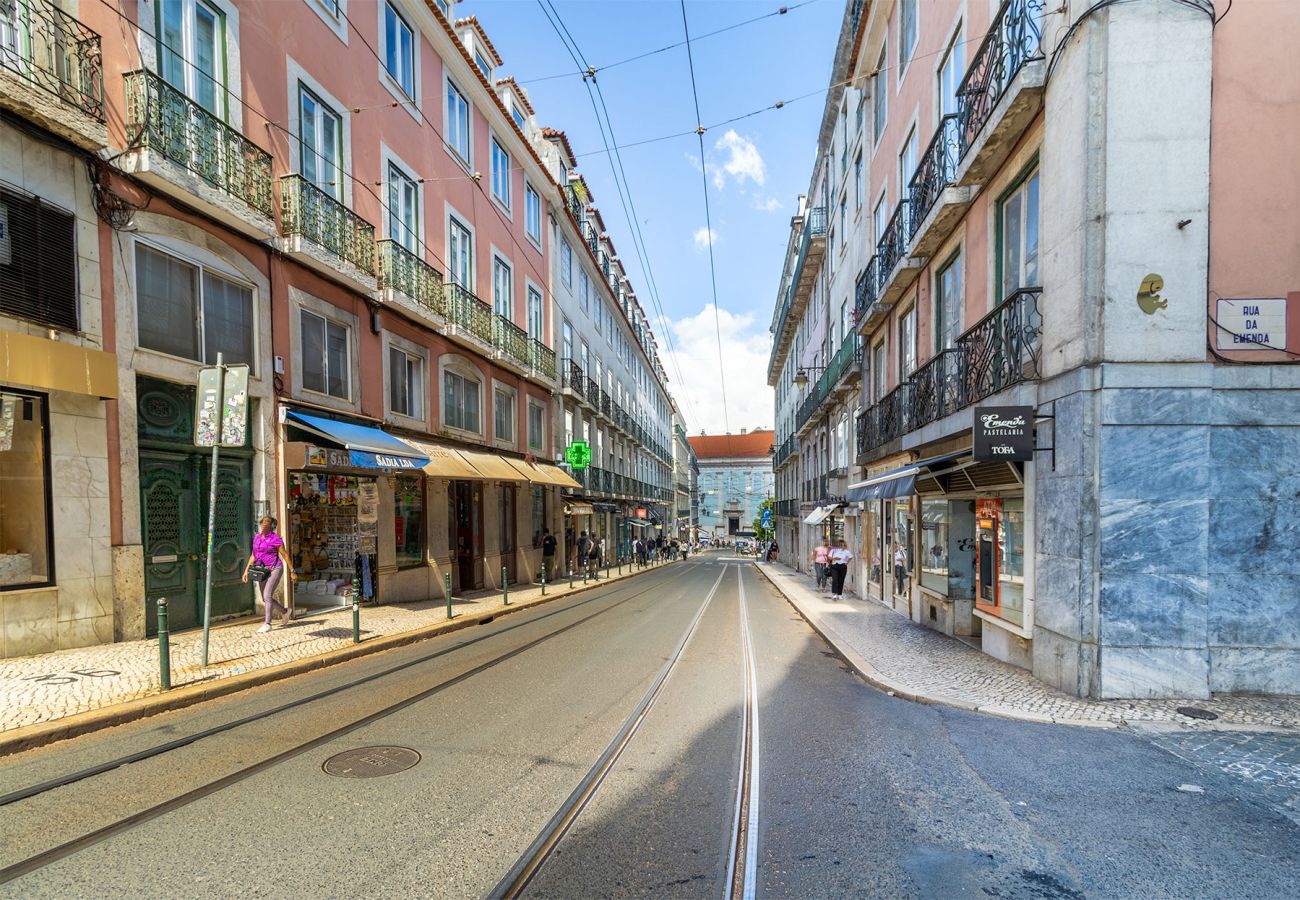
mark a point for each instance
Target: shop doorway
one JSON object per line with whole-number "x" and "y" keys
{"x": 506, "y": 493}
{"x": 174, "y": 481}
{"x": 465, "y": 514}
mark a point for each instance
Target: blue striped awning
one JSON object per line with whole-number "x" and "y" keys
{"x": 368, "y": 448}
{"x": 901, "y": 482}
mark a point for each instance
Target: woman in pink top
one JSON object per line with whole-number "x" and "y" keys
{"x": 821, "y": 559}
{"x": 269, "y": 550}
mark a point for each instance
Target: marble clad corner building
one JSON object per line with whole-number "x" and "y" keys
{"x": 1087, "y": 210}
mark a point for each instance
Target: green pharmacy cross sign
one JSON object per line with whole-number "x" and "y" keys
{"x": 578, "y": 455}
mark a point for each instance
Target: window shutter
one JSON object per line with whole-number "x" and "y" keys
{"x": 38, "y": 262}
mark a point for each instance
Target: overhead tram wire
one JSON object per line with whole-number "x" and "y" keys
{"x": 624, "y": 188}
{"x": 595, "y": 69}
{"x": 708, "y": 221}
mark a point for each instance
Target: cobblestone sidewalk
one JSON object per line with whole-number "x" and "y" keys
{"x": 921, "y": 663}
{"x": 35, "y": 690}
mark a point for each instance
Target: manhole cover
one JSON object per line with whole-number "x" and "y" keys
{"x": 1195, "y": 712}
{"x": 371, "y": 762}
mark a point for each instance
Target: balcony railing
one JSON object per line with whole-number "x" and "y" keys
{"x": 541, "y": 358}
{"x": 864, "y": 292}
{"x": 401, "y": 270}
{"x": 893, "y": 244}
{"x": 470, "y": 313}
{"x": 1014, "y": 38}
{"x": 574, "y": 201}
{"x": 309, "y": 212}
{"x": 510, "y": 339}
{"x": 573, "y": 377}
{"x": 937, "y": 387}
{"x": 591, "y": 390}
{"x": 606, "y": 404}
{"x": 42, "y": 44}
{"x": 936, "y": 171}
{"x": 161, "y": 118}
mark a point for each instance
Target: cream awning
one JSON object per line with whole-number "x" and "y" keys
{"x": 491, "y": 466}
{"x": 444, "y": 461}
{"x": 542, "y": 473}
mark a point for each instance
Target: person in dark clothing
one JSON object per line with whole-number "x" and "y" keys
{"x": 584, "y": 551}
{"x": 548, "y": 554}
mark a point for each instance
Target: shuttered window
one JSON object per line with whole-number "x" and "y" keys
{"x": 38, "y": 262}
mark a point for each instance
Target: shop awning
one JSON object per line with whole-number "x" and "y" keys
{"x": 818, "y": 515}
{"x": 492, "y": 467}
{"x": 578, "y": 509}
{"x": 368, "y": 448}
{"x": 542, "y": 473}
{"x": 445, "y": 462}
{"x": 641, "y": 523}
{"x": 901, "y": 482}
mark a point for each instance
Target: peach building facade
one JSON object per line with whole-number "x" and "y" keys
{"x": 1072, "y": 214}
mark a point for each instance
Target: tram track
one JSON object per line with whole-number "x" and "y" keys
{"x": 742, "y": 857}
{"x": 97, "y": 835}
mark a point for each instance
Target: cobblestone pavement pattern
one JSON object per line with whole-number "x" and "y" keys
{"x": 937, "y": 668}
{"x": 1265, "y": 764}
{"x": 38, "y": 689}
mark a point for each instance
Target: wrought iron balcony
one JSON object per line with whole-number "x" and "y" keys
{"x": 403, "y": 271}
{"x": 49, "y": 49}
{"x": 864, "y": 291}
{"x": 885, "y": 420}
{"x": 509, "y": 339}
{"x": 573, "y": 377}
{"x": 308, "y": 212}
{"x": 592, "y": 392}
{"x": 541, "y": 358}
{"x": 470, "y": 313}
{"x": 937, "y": 169}
{"x": 938, "y": 387}
{"x": 574, "y": 200}
{"x": 893, "y": 244}
{"x": 162, "y": 119}
{"x": 1001, "y": 349}
{"x": 606, "y": 404}
{"x": 1014, "y": 38}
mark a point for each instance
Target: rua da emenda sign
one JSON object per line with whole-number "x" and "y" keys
{"x": 1003, "y": 434}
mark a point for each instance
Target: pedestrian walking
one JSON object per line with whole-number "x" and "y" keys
{"x": 900, "y": 568}
{"x": 840, "y": 558}
{"x": 821, "y": 560}
{"x": 266, "y": 565}
{"x": 584, "y": 551}
{"x": 548, "y": 554}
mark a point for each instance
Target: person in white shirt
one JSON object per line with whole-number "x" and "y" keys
{"x": 840, "y": 558}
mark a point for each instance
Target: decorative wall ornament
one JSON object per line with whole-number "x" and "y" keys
{"x": 1148, "y": 296}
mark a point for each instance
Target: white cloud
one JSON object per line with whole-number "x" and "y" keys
{"x": 703, "y": 237}
{"x": 743, "y": 159}
{"x": 767, "y": 204}
{"x": 745, "y": 350}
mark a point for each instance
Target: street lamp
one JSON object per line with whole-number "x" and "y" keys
{"x": 801, "y": 374}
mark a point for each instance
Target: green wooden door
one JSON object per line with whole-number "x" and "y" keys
{"x": 172, "y": 537}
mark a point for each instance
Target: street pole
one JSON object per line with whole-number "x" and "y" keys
{"x": 164, "y": 646}
{"x": 505, "y": 587}
{"x": 446, "y": 589}
{"x": 356, "y": 619}
{"x": 212, "y": 504}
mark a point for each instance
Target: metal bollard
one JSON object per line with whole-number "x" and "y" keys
{"x": 570, "y": 577}
{"x": 356, "y": 620}
{"x": 446, "y": 589}
{"x": 543, "y": 579}
{"x": 164, "y": 646}
{"x": 607, "y": 568}
{"x": 620, "y": 565}
{"x": 586, "y": 570}
{"x": 505, "y": 586}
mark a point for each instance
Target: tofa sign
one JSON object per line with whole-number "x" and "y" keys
{"x": 1003, "y": 434}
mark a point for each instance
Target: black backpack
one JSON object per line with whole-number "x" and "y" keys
{"x": 584, "y": 546}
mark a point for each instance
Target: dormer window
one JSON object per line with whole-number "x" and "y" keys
{"x": 484, "y": 65}
{"x": 517, "y": 114}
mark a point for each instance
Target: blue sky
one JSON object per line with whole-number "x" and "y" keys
{"x": 757, "y": 166}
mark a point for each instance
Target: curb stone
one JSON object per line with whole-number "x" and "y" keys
{"x": 32, "y": 736}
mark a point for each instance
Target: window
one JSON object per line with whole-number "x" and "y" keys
{"x": 1018, "y": 236}
{"x": 879, "y": 105}
{"x": 408, "y": 520}
{"x": 877, "y": 372}
{"x": 907, "y": 164}
{"x": 584, "y": 291}
{"x": 481, "y": 61}
{"x": 857, "y": 181}
{"x": 906, "y": 344}
{"x": 879, "y": 219}
{"x": 460, "y": 402}
{"x": 906, "y": 34}
{"x": 503, "y": 415}
{"x": 458, "y": 122}
{"x": 405, "y": 383}
{"x": 566, "y": 262}
{"x": 399, "y": 50}
{"x": 186, "y": 311}
{"x": 844, "y": 212}
{"x": 517, "y": 114}
{"x": 532, "y": 213}
{"x": 600, "y": 314}
{"x": 534, "y": 313}
{"x": 25, "y": 532}
{"x": 566, "y": 332}
{"x": 951, "y": 71}
{"x": 948, "y": 304}
{"x": 502, "y": 289}
{"x": 934, "y": 545}
{"x": 460, "y": 255}
{"x": 38, "y": 262}
{"x": 536, "y": 426}
{"x": 500, "y": 174}
{"x": 586, "y": 353}
{"x": 403, "y": 208}
{"x": 321, "y": 143}
{"x": 192, "y": 51}
{"x": 325, "y": 355}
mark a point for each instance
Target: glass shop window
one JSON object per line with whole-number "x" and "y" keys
{"x": 934, "y": 545}
{"x": 1011, "y": 560}
{"x": 408, "y": 520}
{"x": 26, "y": 557}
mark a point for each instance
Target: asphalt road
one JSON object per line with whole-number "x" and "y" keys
{"x": 858, "y": 793}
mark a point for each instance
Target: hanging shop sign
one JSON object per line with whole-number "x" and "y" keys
{"x": 578, "y": 455}
{"x": 1003, "y": 434}
{"x": 1251, "y": 324}
{"x": 221, "y": 401}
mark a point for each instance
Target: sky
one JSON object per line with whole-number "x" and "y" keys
{"x": 756, "y": 167}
